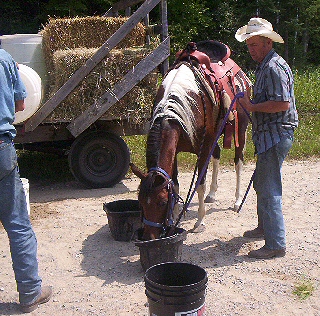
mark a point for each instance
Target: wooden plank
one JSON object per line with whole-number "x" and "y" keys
{"x": 43, "y": 133}
{"x": 165, "y": 30}
{"x": 144, "y": 67}
{"x": 83, "y": 71}
{"x": 121, "y": 5}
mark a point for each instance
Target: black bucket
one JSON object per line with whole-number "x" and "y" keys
{"x": 176, "y": 289}
{"x": 124, "y": 218}
{"x": 168, "y": 249}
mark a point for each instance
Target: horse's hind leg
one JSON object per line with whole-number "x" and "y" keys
{"x": 211, "y": 197}
{"x": 238, "y": 195}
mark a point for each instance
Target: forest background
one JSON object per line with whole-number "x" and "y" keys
{"x": 298, "y": 21}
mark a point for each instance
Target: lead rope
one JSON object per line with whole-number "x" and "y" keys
{"x": 247, "y": 191}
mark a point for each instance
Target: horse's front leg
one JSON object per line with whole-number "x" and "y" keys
{"x": 200, "y": 225}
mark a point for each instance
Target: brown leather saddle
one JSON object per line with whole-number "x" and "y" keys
{"x": 223, "y": 75}
{"x": 219, "y": 69}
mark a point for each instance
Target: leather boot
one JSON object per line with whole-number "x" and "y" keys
{"x": 44, "y": 297}
{"x": 266, "y": 253}
{"x": 254, "y": 233}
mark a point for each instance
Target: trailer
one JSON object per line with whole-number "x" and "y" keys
{"x": 97, "y": 154}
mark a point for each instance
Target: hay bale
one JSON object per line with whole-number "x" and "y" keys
{"x": 135, "y": 106}
{"x": 87, "y": 32}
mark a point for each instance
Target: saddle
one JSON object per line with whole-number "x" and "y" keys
{"x": 222, "y": 74}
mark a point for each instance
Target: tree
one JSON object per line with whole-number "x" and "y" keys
{"x": 298, "y": 21}
{"x": 188, "y": 21}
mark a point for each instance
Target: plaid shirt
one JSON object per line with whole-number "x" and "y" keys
{"x": 274, "y": 82}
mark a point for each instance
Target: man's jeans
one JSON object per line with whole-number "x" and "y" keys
{"x": 268, "y": 186}
{"x": 15, "y": 219}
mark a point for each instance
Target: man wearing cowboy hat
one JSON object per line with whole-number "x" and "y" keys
{"x": 274, "y": 118}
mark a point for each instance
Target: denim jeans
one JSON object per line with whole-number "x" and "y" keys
{"x": 15, "y": 220}
{"x": 268, "y": 187}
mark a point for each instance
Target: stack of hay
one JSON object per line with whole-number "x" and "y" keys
{"x": 69, "y": 43}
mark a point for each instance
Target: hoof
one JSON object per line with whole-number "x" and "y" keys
{"x": 209, "y": 199}
{"x": 198, "y": 228}
{"x": 236, "y": 206}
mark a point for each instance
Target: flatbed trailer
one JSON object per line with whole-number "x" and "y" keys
{"x": 97, "y": 155}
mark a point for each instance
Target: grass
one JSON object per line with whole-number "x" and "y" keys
{"x": 305, "y": 146}
{"x": 307, "y": 137}
{"x": 303, "y": 289}
{"x": 44, "y": 167}
{"x": 306, "y": 89}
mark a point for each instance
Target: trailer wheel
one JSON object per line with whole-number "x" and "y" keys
{"x": 99, "y": 159}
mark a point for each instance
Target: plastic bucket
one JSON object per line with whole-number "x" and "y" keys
{"x": 32, "y": 82}
{"x": 176, "y": 289}
{"x": 124, "y": 218}
{"x": 25, "y": 184}
{"x": 168, "y": 249}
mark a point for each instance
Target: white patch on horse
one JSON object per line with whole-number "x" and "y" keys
{"x": 176, "y": 102}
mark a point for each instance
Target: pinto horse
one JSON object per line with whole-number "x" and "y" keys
{"x": 187, "y": 114}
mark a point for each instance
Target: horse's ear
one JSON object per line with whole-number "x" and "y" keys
{"x": 137, "y": 171}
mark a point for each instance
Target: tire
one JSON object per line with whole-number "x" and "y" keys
{"x": 99, "y": 159}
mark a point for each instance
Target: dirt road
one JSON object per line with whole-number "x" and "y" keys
{"x": 92, "y": 274}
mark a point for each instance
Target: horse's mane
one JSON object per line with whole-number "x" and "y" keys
{"x": 153, "y": 143}
{"x": 178, "y": 101}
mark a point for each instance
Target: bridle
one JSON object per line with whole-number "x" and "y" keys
{"x": 173, "y": 199}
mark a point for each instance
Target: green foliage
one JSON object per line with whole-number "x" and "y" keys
{"x": 298, "y": 21}
{"x": 28, "y": 16}
{"x": 307, "y": 90}
{"x": 137, "y": 145}
{"x": 307, "y": 137}
{"x": 303, "y": 289}
{"x": 187, "y": 20}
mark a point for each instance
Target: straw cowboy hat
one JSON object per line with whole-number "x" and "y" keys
{"x": 258, "y": 26}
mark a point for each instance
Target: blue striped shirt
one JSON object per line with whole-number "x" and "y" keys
{"x": 274, "y": 82}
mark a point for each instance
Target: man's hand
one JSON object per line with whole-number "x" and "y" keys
{"x": 246, "y": 102}
{"x": 266, "y": 107}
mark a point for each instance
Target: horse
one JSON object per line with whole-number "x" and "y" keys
{"x": 186, "y": 117}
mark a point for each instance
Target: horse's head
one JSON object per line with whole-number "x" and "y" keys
{"x": 156, "y": 198}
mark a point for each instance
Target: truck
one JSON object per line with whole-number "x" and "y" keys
{"x": 97, "y": 154}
